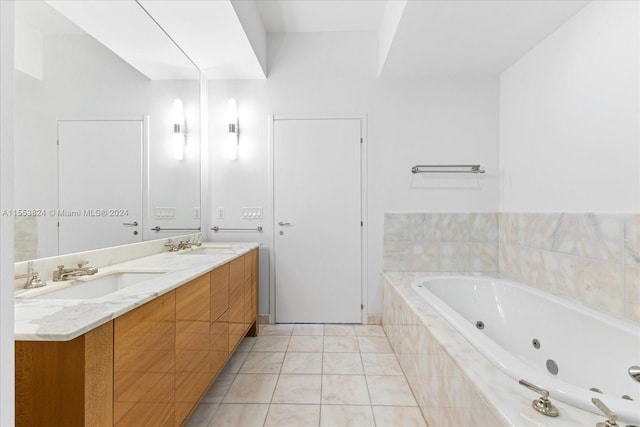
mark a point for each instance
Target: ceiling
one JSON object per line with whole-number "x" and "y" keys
{"x": 227, "y": 39}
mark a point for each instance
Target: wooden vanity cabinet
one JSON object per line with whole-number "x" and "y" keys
{"x": 219, "y": 320}
{"x": 144, "y": 364}
{"x": 193, "y": 311}
{"x": 148, "y": 367}
{"x": 237, "y": 327}
{"x": 65, "y": 383}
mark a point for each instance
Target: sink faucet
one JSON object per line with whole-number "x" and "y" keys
{"x": 33, "y": 281}
{"x": 65, "y": 273}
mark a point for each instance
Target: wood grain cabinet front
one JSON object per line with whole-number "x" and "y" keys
{"x": 193, "y": 306}
{"x": 148, "y": 367}
{"x": 65, "y": 383}
{"x": 144, "y": 364}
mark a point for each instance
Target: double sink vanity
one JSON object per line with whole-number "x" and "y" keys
{"x": 136, "y": 343}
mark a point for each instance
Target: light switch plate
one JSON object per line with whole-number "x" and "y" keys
{"x": 252, "y": 213}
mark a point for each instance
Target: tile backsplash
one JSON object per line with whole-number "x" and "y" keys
{"x": 590, "y": 258}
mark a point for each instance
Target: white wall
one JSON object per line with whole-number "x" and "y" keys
{"x": 570, "y": 117}
{"x": 6, "y": 223}
{"x": 83, "y": 79}
{"x": 430, "y": 121}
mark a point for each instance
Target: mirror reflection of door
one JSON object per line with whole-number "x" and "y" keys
{"x": 100, "y": 183}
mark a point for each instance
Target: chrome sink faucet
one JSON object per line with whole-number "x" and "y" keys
{"x": 66, "y": 273}
{"x": 33, "y": 281}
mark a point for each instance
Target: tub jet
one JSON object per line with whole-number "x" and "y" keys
{"x": 552, "y": 366}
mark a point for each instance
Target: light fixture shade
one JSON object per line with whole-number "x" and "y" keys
{"x": 179, "y": 136}
{"x": 232, "y": 138}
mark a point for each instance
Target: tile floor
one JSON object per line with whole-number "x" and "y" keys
{"x": 311, "y": 375}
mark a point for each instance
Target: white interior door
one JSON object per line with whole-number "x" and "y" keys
{"x": 317, "y": 214}
{"x": 99, "y": 183}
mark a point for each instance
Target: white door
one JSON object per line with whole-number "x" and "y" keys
{"x": 317, "y": 215}
{"x": 99, "y": 183}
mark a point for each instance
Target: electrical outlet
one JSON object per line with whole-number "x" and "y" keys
{"x": 220, "y": 213}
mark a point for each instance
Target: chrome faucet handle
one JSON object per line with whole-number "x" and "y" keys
{"x": 33, "y": 281}
{"x": 542, "y": 405}
{"x": 612, "y": 418}
{"x": 82, "y": 263}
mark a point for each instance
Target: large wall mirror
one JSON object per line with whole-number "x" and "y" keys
{"x": 104, "y": 154}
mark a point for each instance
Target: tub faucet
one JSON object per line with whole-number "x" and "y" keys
{"x": 611, "y": 417}
{"x": 66, "y": 273}
{"x": 542, "y": 405}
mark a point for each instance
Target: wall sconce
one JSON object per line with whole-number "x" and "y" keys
{"x": 179, "y": 130}
{"x": 234, "y": 130}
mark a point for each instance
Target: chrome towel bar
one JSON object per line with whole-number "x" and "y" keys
{"x": 447, "y": 169}
{"x": 157, "y": 228}
{"x": 216, "y": 228}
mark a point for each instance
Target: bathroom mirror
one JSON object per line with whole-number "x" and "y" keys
{"x": 100, "y": 158}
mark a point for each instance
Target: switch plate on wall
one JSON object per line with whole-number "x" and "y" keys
{"x": 165, "y": 213}
{"x": 196, "y": 212}
{"x": 252, "y": 213}
{"x": 220, "y": 213}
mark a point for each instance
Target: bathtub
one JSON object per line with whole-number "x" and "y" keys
{"x": 520, "y": 329}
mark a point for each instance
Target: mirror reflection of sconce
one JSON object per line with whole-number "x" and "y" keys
{"x": 179, "y": 129}
{"x": 234, "y": 130}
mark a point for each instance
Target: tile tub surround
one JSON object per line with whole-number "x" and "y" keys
{"x": 440, "y": 242}
{"x": 63, "y": 320}
{"x": 454, "y": 384}
{"x": 586, "y": 257}
{"x": 590, "y": 258}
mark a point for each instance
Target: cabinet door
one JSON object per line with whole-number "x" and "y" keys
{"x": 236, "y": 302}
{"x": 255, "y": 272}
{"x": 144, "y": 364}
{"x": 219, "y": 340}
{"x": 219, "y": 291}
{"x": 192, "y": 344}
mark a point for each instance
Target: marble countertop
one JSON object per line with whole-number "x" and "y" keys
{"x": 510, "y": 401}
{"x": 38, "y": 319}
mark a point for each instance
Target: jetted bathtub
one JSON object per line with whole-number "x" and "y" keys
{"x": 530, "y": 334}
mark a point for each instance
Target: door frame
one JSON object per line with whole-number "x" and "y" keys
{"x": 271, "y": 119}
{"x": 144, "y": 167}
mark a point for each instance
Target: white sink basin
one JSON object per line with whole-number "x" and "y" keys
{"x": 88, "y": 288}
{"x": 208, "y": 250}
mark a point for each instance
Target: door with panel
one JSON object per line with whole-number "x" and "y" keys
{"x": 317, "y": 220}
{"x": 99, "y": 183}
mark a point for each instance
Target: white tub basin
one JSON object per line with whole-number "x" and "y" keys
{"x": 88, "y": 288}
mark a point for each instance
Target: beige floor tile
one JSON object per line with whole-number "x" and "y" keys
{"x": 344, "y": 390}
{"x": 302, "y": 363}
{"x": 381, "y": 364}
{"x": 271, "y": 343}
{"x": 217, "y": 391}
{"x": 390, "y": 390}
{"x": 246, "y": 344}
{"x": 394, "y": 416}
{"x": 235, "y": 415}
{"x": 306, "y": 344}
{"x": 293, "y": 416}
{"x": 374, "y": 345}
{"x": 339, "y": 330}
{"x": 308, "y": 330}
{"x": 203, "y": 414}
{"x": 346, "y": 416}
{"x": 235, "y": 363}
{"x": 341, "y": 344}
{"x": 292, "y": 388}
{"x": 262, "y": 362}
{"x": 369, "y": 331}
{"x": 278, "y": 330}
{"x": 342, "y": 363}
{"x": 251, "y": 388}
